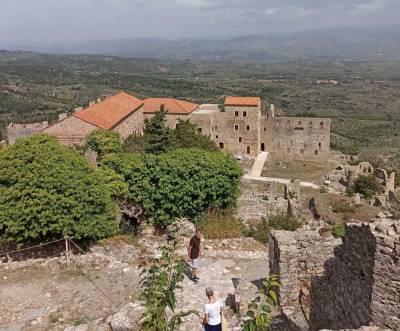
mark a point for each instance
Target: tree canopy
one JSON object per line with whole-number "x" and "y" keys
{"x": 104, "y": 142}
{"x": 157, "y": 138}
{"x": 48, "y": 191}
{"x": 181, "y": 183}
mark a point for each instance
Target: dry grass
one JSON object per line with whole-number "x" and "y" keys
{"x": 221, "y": 225}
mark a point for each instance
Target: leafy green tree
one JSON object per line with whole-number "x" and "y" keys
{"x": 185, "y": 135}
{"x": 104, "y": 142}
{"x": 367, "y": 185}
{"x": 158, "y": 284}
{"x": 181, "y": 183}
{"x": 258, "y": 315}
{"x": 157, "y": 132}
{"x": 48, "y": 191}
{"x": 157, "y": 138}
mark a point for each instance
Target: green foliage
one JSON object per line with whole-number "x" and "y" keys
{"x": 157, "y": 133}
{"x": 186, "y": 136}
{"x": 260, "y": 231}
{"x": 218, "y": 224}
{"x": 157, "y": 138}
{"x": 48, "y": 191}
{"x": 181, "y": 183}
{"x": 104, "y": 142}
{"x": 158, "y": 284}
{"x": 258, "y": 315}
{"x": 342, "y": 208}
{"x": 367, "y": 185}
{"x": 338, "y": 230}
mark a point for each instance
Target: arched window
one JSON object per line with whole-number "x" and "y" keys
{"x": 319, "y": 145}
{"x": 236, "y": 127}
{"x": 221, "y": 145}
{"x": 240, "y": 139}
{"x": 248, "y": 127}
{"x": 248, "y": 149}
{"x": 245, "y": 114}
{"x": 321, "y": 125}
{"x": 236, "y": 113}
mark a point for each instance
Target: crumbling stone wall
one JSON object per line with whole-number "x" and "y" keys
{"x": 15, "y": 131}
{"x": 351, "y": 282}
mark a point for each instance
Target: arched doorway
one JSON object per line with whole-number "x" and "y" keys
{"x": 262, "y": 147}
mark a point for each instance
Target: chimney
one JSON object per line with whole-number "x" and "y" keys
{"x": 272, "y": 111}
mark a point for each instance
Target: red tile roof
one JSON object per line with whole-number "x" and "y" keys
{"x": 242, "y": 101}
{"x": 171, "y": 105}
{"x": 111, "y": 111}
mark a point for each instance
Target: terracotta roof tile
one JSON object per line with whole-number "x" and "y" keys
{"x": 171, "y": 105}
{"x": 242, "y": 101}
{"x": 111, "y": 111}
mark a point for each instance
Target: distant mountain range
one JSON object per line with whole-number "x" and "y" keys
{"x": 353, "y": 43}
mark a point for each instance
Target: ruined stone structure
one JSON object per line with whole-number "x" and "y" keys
{"x": 15, "y": 131}
{"x": 329, "y": 283}
{"x": 239, "y": 126}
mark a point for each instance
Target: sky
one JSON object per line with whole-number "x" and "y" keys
{"x": 58, "y": 21}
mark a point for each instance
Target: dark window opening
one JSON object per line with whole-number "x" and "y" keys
{"x": 236, "y": 113}
{"x": 262, "y": 147}
{"x": 248, "y": 149}
{"x": 221, "y": 145}
{"x": 240, "y": 139}
{"x": 315, "y": 152}
{"x": 244, "y": 114}
{"x": 216, "y": 137}
{"x": 321, "y": 125}
{"x": 319, "y": 144}
{"x": 236, "y": 127}
{"x": 199, "y": 130}
{"x": 248, "y": 128}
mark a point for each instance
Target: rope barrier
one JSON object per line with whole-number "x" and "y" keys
{"x": 28, "y": 248}
{"x": 88, "y": 277}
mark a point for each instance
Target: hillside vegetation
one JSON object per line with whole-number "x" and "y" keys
{"x": 365, "y": 105}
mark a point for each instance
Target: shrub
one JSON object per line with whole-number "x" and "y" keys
{"x": 158, "y": 284}
{"x": 104, "y": 142}
{"x": 220, "y": 225}
{"x": 367, "y": 185}
{"x": 338, "y": 230}
{"x": 182, "y": 183}
{"x": 261, "y": 230}
{"x": 342, "y": 207}
{"x": 48, "y": 191}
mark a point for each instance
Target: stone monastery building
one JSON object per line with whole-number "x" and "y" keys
{"x": 239, "y": 126}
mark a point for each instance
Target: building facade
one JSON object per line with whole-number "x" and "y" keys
{"x": 239, "y": 126}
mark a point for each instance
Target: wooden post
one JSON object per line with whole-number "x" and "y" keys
{"x": 67, "y": 249}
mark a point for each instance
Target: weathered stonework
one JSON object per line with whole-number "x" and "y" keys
{"x": 340, "y": 284}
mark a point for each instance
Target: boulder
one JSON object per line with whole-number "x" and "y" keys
{"x": 126, "y": 319}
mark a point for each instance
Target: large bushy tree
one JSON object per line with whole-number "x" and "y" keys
{"x": 48, "y": 191}
{"x": 181, "y": 183}
{"x": 104, "y": 142}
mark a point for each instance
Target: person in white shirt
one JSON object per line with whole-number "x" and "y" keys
{"x": 212, "y": 312}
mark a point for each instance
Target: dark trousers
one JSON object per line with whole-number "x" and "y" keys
{"x": 213, "y": 327}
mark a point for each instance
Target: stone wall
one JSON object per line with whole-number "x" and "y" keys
{"x": 15, "y": 131}
{"x": 340, "y": 284}
{"x": 133, "y": 124}
{"x": 171, "y": 119}
{"x": 298, "y": 136}
{"x": 70, "y": 131}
